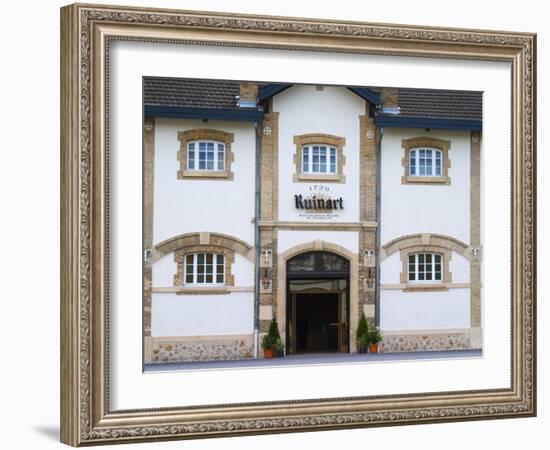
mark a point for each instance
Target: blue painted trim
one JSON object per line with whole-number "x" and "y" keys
{"x": 367, "y": 94}
{"x": 421, "y": 122}
{"x": 244, "y": 115}
{"x": 269, "y": 90}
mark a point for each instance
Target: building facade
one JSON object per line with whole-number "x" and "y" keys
{"x": 312, "y": 205}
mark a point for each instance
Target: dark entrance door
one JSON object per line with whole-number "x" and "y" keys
{"x": 317, "y": 322}
{"x": 317, "y": 303}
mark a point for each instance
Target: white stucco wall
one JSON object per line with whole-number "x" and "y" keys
{"x": 291, "y": 238}
{"x": 408, "y": 208}
{"x": 400, "y": 310}
{"x": 192, "y": 205}
{"x": 304, "y": 110}
{"x": 164, "y": 270}
{"x": 424, "y": 310}
{"x": 199, "y": 315}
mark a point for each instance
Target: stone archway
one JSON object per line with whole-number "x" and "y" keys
{"x": 319, "y": 245}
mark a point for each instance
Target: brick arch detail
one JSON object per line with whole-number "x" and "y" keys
{"x": 426, "y": 240}
{"x": 206, "y": 239}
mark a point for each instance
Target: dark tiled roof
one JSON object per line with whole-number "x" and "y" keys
{"x": 190, "y": 93}
{"x": 221, "y": 94}
{"x": 440, "y": 104}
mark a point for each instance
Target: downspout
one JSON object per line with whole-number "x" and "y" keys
{"x": 257, "y": 240}
{"x": 378, "y": 208}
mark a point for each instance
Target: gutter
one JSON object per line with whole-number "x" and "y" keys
{"x": 378, "y": 209}
{"x": 257, "y": 211}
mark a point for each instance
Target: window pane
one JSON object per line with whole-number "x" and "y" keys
{"x": 438, "y": 276}
{"x": 210, "y": 160}
{"x": 221, "y": 157}
{"x": 332, "y": 160}
{"x": 200, "y": 278}
{"x": 315, "y": 164}
{"x": 422, "y": 164}
{"x": 189, "y": 277}
{"x": 302, "y": 263}
{"x": 438, "y": 163}
{"x": 305, "y": 159}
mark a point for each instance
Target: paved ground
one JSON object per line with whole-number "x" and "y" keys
{"x": 320, "y": 359}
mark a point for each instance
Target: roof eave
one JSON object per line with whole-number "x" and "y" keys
{"x": 177, "y": 112}
{"x": 427, "y": 122}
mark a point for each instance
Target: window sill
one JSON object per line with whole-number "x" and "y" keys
{"x": 206, "y": 290}
{"x": 425, "y": 180}
{"x": 205, "y": 174}
{"x": 426, "y": 287}
{"x": 328, "y": 178}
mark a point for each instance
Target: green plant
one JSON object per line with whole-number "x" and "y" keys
{"x": 269, "y": 341}
{"x": 274, "y": 330}
{"x": 363, "y": 341}
{"x": 279, "y": 345}
{"x": 362, "y": 327}
{"x": 374, "y": 336}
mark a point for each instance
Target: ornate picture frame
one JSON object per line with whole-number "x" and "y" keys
{"x": 87, "y": 31}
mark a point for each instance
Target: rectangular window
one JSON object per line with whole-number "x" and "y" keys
{"x": 425, "y": 162}
{"x": 319, "y": 159}
{"x": 425, "y": 267}
{"x": 204, "y": 268}
{"x": 211, "y": 155}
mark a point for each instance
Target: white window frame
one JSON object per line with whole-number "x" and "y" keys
{"x": 193, "y": 155}
{"x": 415, "y": 158}
{"x": 416, "y": 272}
{"x": 196, "y": 273}
{"x": 331, "y": 167}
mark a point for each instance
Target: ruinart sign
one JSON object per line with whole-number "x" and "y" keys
{"x": 313, "y": 202}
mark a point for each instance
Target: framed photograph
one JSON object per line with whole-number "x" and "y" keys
{"x": 276, "y": 224}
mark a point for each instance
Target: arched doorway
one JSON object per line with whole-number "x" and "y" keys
{"x": 317, "y": 303}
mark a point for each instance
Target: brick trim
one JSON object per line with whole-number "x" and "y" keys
{"x": 475, "y": 228}
{"x": 148, "y": 207}
{"x": 426, "y": 142}
{"x": 184, "y": 137}
{"x": 438, "y": 240}
{"x": 193, "y": 239}
{"x": 323, "y": 139}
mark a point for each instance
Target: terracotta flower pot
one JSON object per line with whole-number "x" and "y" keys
{"x": 373, "y": 348}
{"x": 268, "y": 353}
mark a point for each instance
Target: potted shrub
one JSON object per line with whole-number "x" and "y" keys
{"x": 279, "y": 348}
{"x": 269, "y": 341}
{"x": 267, "y": 346}
{"x": 362, "y": 334}
{"x": 374, "y": 338}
